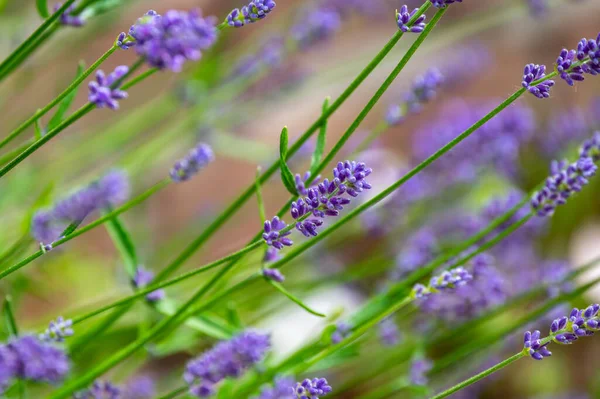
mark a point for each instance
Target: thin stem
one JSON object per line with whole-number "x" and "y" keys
{"x": 373, "y": 135}
{"x": 175, "y": 393}
{"x": 30, "y": 49}
{"x": 124, "y": 208}
{"x": 479, "y": 376}
{"x": 31, "y": 39}
{"x": 15, "y": 133}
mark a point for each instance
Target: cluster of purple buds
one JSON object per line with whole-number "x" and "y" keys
{"x": 302, "y": 182}
{"x": 565, "y": 180}
{"x": 67, "y": 18}
{"x": 274, "y": 275}
{"x": 533, "y": 346}
{"x": 573, "y": 64}
{"x": 424, "y": 89}
{"x": 104, "y": 91}
{"x": 254, "y": 11}
{"x": 389, "y": 334}
{"x": 533, "y": 73}
{"x": 591, "y": 148}
{"x": 282, "y": 389}
{"x": 168, "y": 41}
{"x": 342, "y": 331}
{"x": 142, "y": 279}
{"x": 226, "y": 359}
{"x": 315, "y": 26}
{"x": 447, "y": 280}
{"x": 196, "y": 160}
{"x": 275, "y": 233}
{"x": 418, "y": 371}
{"x": 100, "y": 390}
{"x": 403, "y": 18}
{"x": 580, "y": 323}
{"x": 311, "y": 389}
{"x": 444, "y": 3}
{"x": 58, "y": 330}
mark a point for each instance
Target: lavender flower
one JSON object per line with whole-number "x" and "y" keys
{"x": 580, "y": 323}
{"x": 532, "y": 73}
{"x": 67, "y": 18}
{"x": 533, "y": 346}
{"x": 38, "y": 361}
{"x": 418, "y": 372}
{"x": 444, "y": 3}
{"x": 303, "y": 181}
{"x": 167, "y": 42}
{"x": 403, "y": 17}
{"x": 314, "y": 389}
{"x": 282, "y": 389}
{"x": 316, "y": 25}
{"x": 538, "y": 8}
{"x": 142, "y": 279}
{"x": 226, "y": 359}
{"x": 141, "y": 387}
{"x": 254, "y": 11}
{"x": 274, "y": 275}
{"x": 271, "y": 255}
{"x": 196, "y": 160}
{"x": 389, "y": 333}
{"x": 342, "y": 331}
{"x": 8, "y": 367}
{"x": 420, "y": 249}
{"x": 124, "y": 41}
{"x": 104, "y": 92}
{"x": 447, "y": 280}
{"x": 100, "y": 390}
{"x": 573, "y": 64}
{"x": 273, "y": 234}
{"x": 58, "y": 330}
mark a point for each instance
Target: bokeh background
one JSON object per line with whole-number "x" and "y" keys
{"x": 480, "y": 47}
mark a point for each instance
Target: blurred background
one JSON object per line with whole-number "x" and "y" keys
{"x": 237, "y": 102}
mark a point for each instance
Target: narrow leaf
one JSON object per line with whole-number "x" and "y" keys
{"x": 9, "y": 317}
{"x": 233, "y": 317}
{"x": 41, "y": 201}
{"x": 70, "y": 228}
{"x": 321, "y": 138}
{"x": 64, "y": 105}
{"x": 286, "y": 174}
{"x": 205, "y": 324}
{"x": 294, "y": 299}
{"x": 259, "y": 197}
{"x": 38, "y": 130}
{"x": 124, "y": 244}
{"x": 42, "y": 7}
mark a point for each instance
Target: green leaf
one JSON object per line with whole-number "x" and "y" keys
{"x": 207, "y": 325}
{"x": 64, "y": 105}
{"x": 41, "y": 201}
{"x": 233, "y": 317}
{"x": 294, "y": 299}
{"x": 259, "y": 197}
{"x": 42, "y": 7}
{"x": 9, "y": 317}
{"x": 321, "y": 138}
{"x": 38, "y": 130}
{"x": 124, "y": 244}
{"x": 286, "y": 174}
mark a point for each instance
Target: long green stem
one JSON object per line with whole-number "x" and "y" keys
{"x": 15, "y": 133}
{"x": 175, "y": 393}
{"x": 124, "y": 208}
{"x": 15, "y": 63}
{"x": 479, "y": 376}
{"x": 23, "y": 48}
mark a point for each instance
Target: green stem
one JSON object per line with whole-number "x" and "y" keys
{"x": 175, "y": 393}
{"x": 30, "y": 49}
{"x": 32, "y": 38}
{"x": 15, "y": 133}
{"x": 373, "y": 135}
{"x": 124, "y": 208}
{"x": 479, "y": 376}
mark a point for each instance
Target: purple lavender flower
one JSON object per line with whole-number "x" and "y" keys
{"x": 533, "y": 73}
{"x": 389, "y": 334}
{"x": 274, "y": 275}
{"x": 444, "y": 3}
{"x": 538, "y": 8}
{"x": 303, "y": 181}
{"x": 100, "y": 390}
{"x": 124, "y": 41}
{"x": 67, "y": 18}
{"x": 564, "y": 127}
{"x": 420, "y": 249}
{"x": 196, "y": 160}
{"x": 271, "y": 255}
{"x": 591, "y": 148}
{"x": 8, "y": 367}
{"x": 315, "y": 26}
{"x": 38, "y": 361}
{"x": 58, "y": 330}
{"x": 166, "y": 42}
{"x": 103, "y": 91}
{"x": 447, "y": 280}
{"x": 44, "y": 228}
{"x": 580, "y": 323}
{"x": 254, "y": 11}
{"x": 418, "y": 372}
{"x": 534, "y": 347}
{"x": 403, "y": 17}
{"x": 273, "y": 234}
{"x": 342, "y": 331}
{"x": 314, "y": 389}
{"x": 564, "y": 65}
{"x": 226, "y": 359}
{"x": 281, "y": 389}
{"x": 141, "y": 387}
{"x": 142, "y": 279}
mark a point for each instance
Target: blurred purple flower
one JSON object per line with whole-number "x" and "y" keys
{"x": 418, "y": 371}
{"x": 254, "y": 11}
{"x": 281, "y": 389}
{"x": 100, "y": 390}
{"x": 196, "y": 160}
{"x": 316, "y": 25}
{"x": 389, "y": 334}
{"x": 142, "y": 279}
{"x": 58, "y": 330}
{"x": 104, "y": 90}
{"x": 141, "y": 387}
{"x": 38, "y": 361}
{"x": 342, "y": 331}
{"x": 67, "y": 18}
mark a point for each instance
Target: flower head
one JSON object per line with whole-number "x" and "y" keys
{"x": 534, "y": 346}
{"x": 168, "y": 41}
{"x": 8, "y": 367}
{"x": 281, "y": 389}
{"x": 67, "y": 18}
{"x": 572, "y": 65}
{"x": 274, "y": 275}
{"x": 316, "y": 25}
{"x": 58, "y": 330}
{"x": 196, "y": 160}
{"x": 100, "y": 390}
{"x": 533, "y": 73}
{"x": 444, "y": 3}
{"x": 403, "y": 17}
{"x": 418, "y": 371}
{"x": 143, "y": 278}
{"x": 104, "y": 90}
{"x": 38, "y": 361}
{"x": 254, "y": 11}
{"x": 273, "y": 234}
{"x": 447, "y": 280}
{"x": 312, "y": 389}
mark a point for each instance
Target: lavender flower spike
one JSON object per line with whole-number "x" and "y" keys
{"x": 448, "y": 280}
{"x": 533, "y": 346}
{"x": 444, "y": 3}
{"x": 67, "y": 18}
{"x": 281, "y": 389}
{"x": 39, "y": 361}
{"x": 573, "y": 64}
{"x": 273, "y": 235}
{"x": 403, "y": 17}
{"x": 196, "y": 160}
{"x": 100, "y": 390}
{"x": 342, "y": 331}
{"x": 103, "y": 92}
{"x": 58, "y": 330}
{"x": 254, "y": 11}
{"x": 274, "y": 275}
{"x": 8, "y": 368}
{"x": 311, "y": 389}
{"x": 532, "y": 73}
{"x": 143, "y": 278}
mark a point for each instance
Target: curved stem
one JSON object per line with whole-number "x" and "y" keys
{"x": 479, "y": 376}
{"x": 15, "y": 133}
